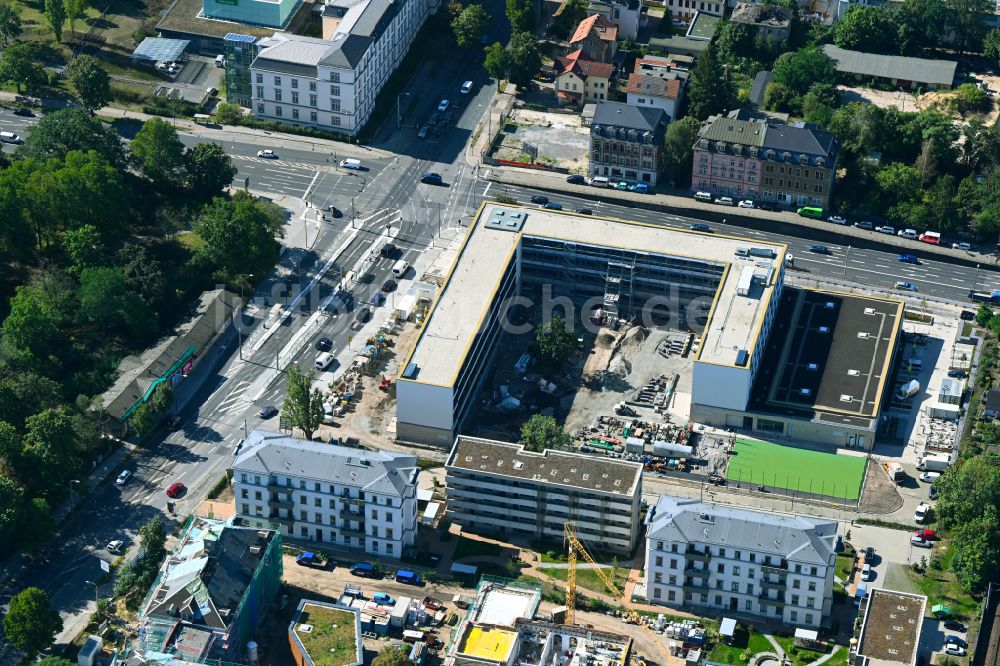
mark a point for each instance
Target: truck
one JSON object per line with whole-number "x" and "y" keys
{"x": 921, "y": 514}
{"x": 894, "y": 471}
{"x": 408, "y": 577}
{"x": 934, "y": 462}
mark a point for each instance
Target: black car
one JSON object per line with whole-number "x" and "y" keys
{"x": 389, "y": 285}
{"x": 700, "y": 227}
{"x": 539, "y": 199}
{"x": 932, "y": 493}
{"x": 584, "y": 211}
{"x": 324, "y": 344}
{"x": 432, "y": 178}
{"x": 364, "y": 314}
{"x": 819, "y": 249}
{"x": 27, "y": 113}
{"x": 958, "y": 374}
{"x": 267, "y": 411}
{"x": 955, "y": 625}
{"x": 967, "y": 315}
{"x": 956, "y": 640}
{"x": 334, "y": 211}
{"x": 767, "y": 205}
{"x": 869, "y": 554}
{"x": 576, "y": 179}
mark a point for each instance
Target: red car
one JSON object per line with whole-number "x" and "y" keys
{"x": 176, "y": 490}
{"x": 929, "y": 535}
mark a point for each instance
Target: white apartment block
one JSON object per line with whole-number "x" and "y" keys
{"x": 332, "y": 83}
{"x": 740, "y": 562}
{"x": 497, "y": 487}
{"x": 331, "y": 495}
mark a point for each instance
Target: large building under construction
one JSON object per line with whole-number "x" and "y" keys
{"x": 782, "y": 361}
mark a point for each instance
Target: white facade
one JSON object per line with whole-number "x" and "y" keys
{"x": 669, "y": 105}
{"x": 333, "y": 84}
{"x": 626, "y": 14}
{"x": 735, "y": 561}
{"x": 335, "y": 495}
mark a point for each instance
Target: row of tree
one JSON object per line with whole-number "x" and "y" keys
{"x": 913, "y": 26}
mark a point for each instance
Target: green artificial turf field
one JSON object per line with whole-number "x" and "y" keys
{"x": 755, "y": 462}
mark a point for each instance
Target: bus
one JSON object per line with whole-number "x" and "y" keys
{"x": 811, "y": 211}
{"x": 932, "y": 237}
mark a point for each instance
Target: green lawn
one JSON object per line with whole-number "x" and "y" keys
{"x": 744, "y": 640}
{"x": 588, "y": 578}
{"x": 804, "y": 470}
{"x": 941, "y": 587}
{"x": 474, "y": 548}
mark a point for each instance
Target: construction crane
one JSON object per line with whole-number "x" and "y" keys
{"x": 574, "y": 546}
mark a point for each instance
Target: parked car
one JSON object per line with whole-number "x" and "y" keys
{"x": 725, "y": 201}
{"x": 639, "y": 188}
{"x": 176, "y": 490}
{"x": 928, "y": 535}
{"x": 23, "y": 112}
{"x": 920, "y": 543}
{"x": 746, "y": 203}
{"x": 539, "y": 199}
{"x": 958, "y": 374}
{"x": 334, "y": 211}
{"x": 432, "y": 178}
{"x": 909, "y": 259}
{"x": 819, "y": 249}
{"x": 267, "y": 154}
{"x": 922, "y": 512}
{"x": 443, "y": 105}
{"x": 955, "y": 625}
{"x": 932, "y": 493}
{"x": 704, "y": 228}
{"x": 422, "y": 132}
{"x": 267, "y": 411}
{"x": 930, "y": 477}
{"x": 584, "y": 211}
{"x": 620, "y": 185}
{"x": 961, "y": 246}
{"x": 115, "y": 547}
{"x": 383, "y": 599}
{"x": 955, "y": 640}
{"x": 123, "y": 477}
{"x": 954, "y": 650}
{"x": 364, "y": 314}
{"x": 837, "y": 219}
{"x": 907, "y": 233}
{"x": 553, "y": 205}
{"x": 867, "y": 573}
{"x": 864, "y": 224}
{"x": 576, "y": 179}
{"x": 466, "y": 87}
{"x": 869, "y": 553}
{"x": 905, "y": 286}
{"x": 967, "y": 315}
{"x": 324, "y": 344}
{"x": 306, "y": 559}
{"x": 886, "y": 229}
{"x": 389, "y": 285}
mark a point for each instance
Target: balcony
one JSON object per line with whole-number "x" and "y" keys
{"x": 287, "y": 520}
{"x": 780, "y": 585}
{"x": 697, "y": 556}
{"x": 349, "y": 513}
{"x": 775, "y": 567}
{"x": 691, "y": 586}
{"x": 692, "y": 571}
{"x": 277, "y": 502}
{"x": 352, "y": 531}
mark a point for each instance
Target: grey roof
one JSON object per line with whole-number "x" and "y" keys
{"x": 802, "y": 138}
{"x": 759, "y": 87}
{"x": 755, "y": 14}
{"x": 379, "y": 472}
{"x": 644, "y": 118}
{"x": 794, "y": 538}
{"x": 751, "y": 128}
{"x": 920, "y": 70}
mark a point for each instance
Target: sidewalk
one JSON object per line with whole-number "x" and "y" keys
{"x": 682, "y": 203}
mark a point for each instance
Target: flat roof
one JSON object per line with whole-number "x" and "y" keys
{"x": 890, "y": 634}
{"x": 562, "y": 468}
{"x": 329, "y": 635}
{"x": 831, "y": 361}
{"x": 921, "y": 70}
{"x": 488, "y": 643}
{"x": 502, "y": 606}
{"x": 488, "y": 250}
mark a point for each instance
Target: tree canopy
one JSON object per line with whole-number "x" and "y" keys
{"x": 239, "y": 235}
{"x": 542, "y": 432}
{"x": 31, "y": 623}
{"x": 556, "y": 343}
{"x": 711, "y": 93}
{"x": 159, "y": 152}
{"x": 59, "y": 132}
{"x": 470, "y": 26}
{"x": 523, "y": 58}
{"x": 303, "y": 407}
{"x": 90, "y": 81}
{"x": 968, "y": 505}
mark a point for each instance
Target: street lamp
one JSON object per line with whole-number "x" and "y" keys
{"x": 96, "y": 592}
{"x": 846, "y": 255}
{"x": 239, "y": 325}
{"x": 399, "y": 117}
{"x": 975, "y": 284}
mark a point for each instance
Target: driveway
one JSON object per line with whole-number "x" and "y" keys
{"x": 893, "y": 553}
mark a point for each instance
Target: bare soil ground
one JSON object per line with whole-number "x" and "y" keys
{"x": 907, "y": 101}
{"x": 879, "y": 494}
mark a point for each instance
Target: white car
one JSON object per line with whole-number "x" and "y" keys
{"x": 930, "y": 477}
{"x": 956, "y": 650}
{"x": 907, "y": 233}
{"x": 867, "y": 573}
{"x": 837, "y": 219}
{"x": 886, "y": 229}
{"x": 961, "y": 246}
{"x": 746, "y": 203}
{"x": 467, "y": 87}
{"x": 920, "y": 542}
{"x": 725, "y": 201}
{"x": 115, "y": 547}
{"x": 123, "y": 477}
{"x": 267, "y": 154}
{"x": 443, "y": 106}
{"x": 920, "y": 515}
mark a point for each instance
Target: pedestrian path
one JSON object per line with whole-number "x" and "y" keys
{"x": 825, "y": 657}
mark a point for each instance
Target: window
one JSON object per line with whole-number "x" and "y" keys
{"x": 246, "y": 508}
{"x": 672, "y": 580}
{"x": 318, "y": 518}
{"x": 295, "y": 84}
{"x": 335, "y": 120}
{"x": 736, "y": 571}
{"x": 388, "y": 548}
{"x": 335, "y": 77}
{"x": 243, "y": 477}
{"x": 295, "y": 113}
{"x": 295, "y": 100}
{"x": 260, "y": 78}
{"x": 734, "y": 586}
{"x": 718, "y": 600}
{"x": 312, "y": 116}
{"x": 256, "y": 480}
{"x": 673, "y": 562}
{"x": 312, "y": 86}
{"x": 335, "y": 105}
{"x": 721, "y": 568}
{"x": 749, "y": 588}
{"x": 812, "y": 586}
{"x": 277, "y": 98}
{"x": 812, "y": 571}
{"x": 794, "y": 616}
{"x": 670, "y": 595}
{"x": 658, "y": 578}
{"x": 312, "y": 102}
{"x": 260, "y": 107}
{"x": 656, "y": 593}
{"x": 795, "y": 600}
{"x": 374, "y": 514}
{"x": 245, "y": 494}
{"x": 332, "y": 504}
{"x": 317, "y": 501}
{"x": 388, "y": 533}
{"x": 257, "y": 495}
{"x": 277, "y": 80}
{"x": 335, "y": 91}
{"x": 374, "y": 546}
{"x": 796, "y": 584}
{"x": 659, "y": 561}
{"x": 749, "y": 605}
{"x": 277, "y": 110}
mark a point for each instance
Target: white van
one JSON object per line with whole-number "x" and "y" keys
{"x": 10, "y": 137}
{"x": 323, "y": 361}
{"x": 351, "y": 164}
{"x": 400, "y": 268}
{"x": 220, "y": 60}
{"x": 703, "y": 196}
{"x": 600, "y": 181}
